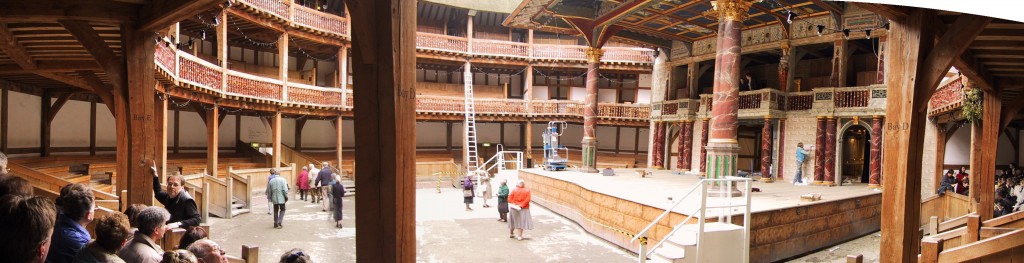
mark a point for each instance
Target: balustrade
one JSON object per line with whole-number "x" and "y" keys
{"x": 854, "y": 98}
{"x": 626, "y": 54}
{"x": 626, "y": 111}
{"x": 199, "y": 72}
{"x": 800, "y": 101}
{"x": 441, "y": 42}
{"x": 559, "y": 52}
{"x": 500, "y": 48}
{"x": 319, "y": 20}
{"x": 164, "y": 57}
{"x": 313, "y": 95}
{"x": 950, "y": 93}
{"x": 274, "y": 7}
{"x": 669, "y": 108}
{"x": 254, "y": 86}
{"x": 750, "y": 100}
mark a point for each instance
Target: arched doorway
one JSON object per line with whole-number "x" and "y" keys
{"x": 855, "y": 154}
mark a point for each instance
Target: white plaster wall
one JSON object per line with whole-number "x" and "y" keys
{"x": 643, "y": 96}
{"x": 644, "y": 80}
{"x": 106, "y": 127}
{"x": 226, "y": 137}
{"x": 288, "y": 131}
{"x": 431, "y": 134}
{"x": 192, "y": 132}
{"x": 627, "y": 139}
{"x": 958, "y": 148}
{"x": 606, "y": 95}
{"x": 1005, "y": 152}
{"x": 24, "y": 114}
{"x": 457, "y": 135}
{"x": 319, "y": 134}
{"x": 799, "y": 129}
{"x": 540, "y": 93}
{"x": 578, "y": 94}
{"x": 512, "y": 131}
{"x": 70, "y": 128}
{"x": 255, "y": 130}
{"x": 348, "y": 135}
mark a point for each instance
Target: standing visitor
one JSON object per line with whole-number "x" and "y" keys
{"x": 801, "y": 156}
{"x": 503, "y": 201}
{"x": 144, "y": 246}
{"x": 314, "y": 192}
{"x": 338, "y": 191}
{"x": 278, "y": 195}
{"x": 270, "y": 204}
{"x": 77, "y": 207}
{"x": 467, "y": 192}
{"x": 485, "y": 182}
{"x": 30, "y": 220}
{"x": 520, "y": 218}
{"x": 303, "y": 183}
{"x": 181, "y": 206}
{"x": 324, "y": 180}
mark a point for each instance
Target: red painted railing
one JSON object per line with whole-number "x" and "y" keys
{"x": 800, "y": 102}
{"x": 950, "y": 93}
{"x": 500, "y": 48}
{"x": 164, "y": 56}
{"x": 848, "y": 99}
{"x": 669, "y": 108}
{"x": 273, "y": 7}
{"x": 319, "y": 20}
{"x": 313, "y": 95}
{"x": 559, "y": 52}
{"x": 198, "y": 72}
{"x": 627, "y": 54}
{"x": 624, "y": 110}
{"x": 750, "y": 101}
{"x": 440, "y": 42}
{"x": 242, "y": 84}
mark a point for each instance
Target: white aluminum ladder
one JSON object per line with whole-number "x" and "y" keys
{"x": 472, "y": 159}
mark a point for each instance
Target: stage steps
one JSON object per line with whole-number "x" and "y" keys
{"x": 717, "y": 236}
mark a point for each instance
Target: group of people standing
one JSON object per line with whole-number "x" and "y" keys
{"x": 325, "y": 188}
{"x": 513, "y": 207}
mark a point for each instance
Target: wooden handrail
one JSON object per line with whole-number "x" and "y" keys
{"x": 981, "y": 249}
{"x": 50, "y": 182}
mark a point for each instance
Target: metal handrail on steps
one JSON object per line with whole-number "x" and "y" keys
{"x": 703, "y": 185}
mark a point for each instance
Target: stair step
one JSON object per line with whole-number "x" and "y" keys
{"x": 236, "y": 212}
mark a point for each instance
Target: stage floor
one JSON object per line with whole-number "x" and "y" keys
{"x": 656, "y": 190}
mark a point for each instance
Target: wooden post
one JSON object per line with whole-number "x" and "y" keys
{"x": 213, "y": 139}
{"x": 161, "y": 130}
{"x": 855, "y": 258}
{"x": 904, "y": 136}
{"x": 4, "y": 113}
{"x": 251, "y": 253}
{"x": 940, "y": 154}
{"x": 984, "y": 138}
{"x": 930, "y": 248}
{"x": 973, "y": 227}
{"x": 343, "y": 72}
{"x": 222, "y": 48}
{"x": 135, "y": 114}
{"x": 338, "y": 131}
{"x": 384, "y": 63}
{"x": 839, "y": 63}
{"x": 44, "y": 125}
{"x": 92, "y": 127}
{"x": 282, "y": 66}
{"x": 275, "y": 128}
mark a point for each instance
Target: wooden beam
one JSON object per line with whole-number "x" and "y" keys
{"x": 113, "y": 65}
{"x": 891, "y": 12}
{"x": 57, "y": 105}
{"x": 384, "y": 64}
{"x": 52, "y": 66}
{"x": 101, "y": 90}
{"x": 212, "y": 119}
{"x": 950, "y": 45}
{"x": 159, "y": 14}
{"x": 909, "y": 39}
{"x": 984, "y": 138}
{"x": 1010, "y": 112}
{"x": 200, "y": 110}
{"x": 100, "y": 11}
{"x": 299, "y": 124}
{"x": 140, "y": 143}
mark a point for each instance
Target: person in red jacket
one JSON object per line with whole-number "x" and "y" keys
{"x": 520, "y": 217}
{"x": 303, "y": 183}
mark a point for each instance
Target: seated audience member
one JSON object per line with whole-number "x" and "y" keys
{"x": 133, "y": 211}
{"x": 207, "y": 251}
{"x": 179, "y": 256}
{"x": 295, "y": 256}
{"x": 112, "y": 233}
{"x": 77, "y": 207}
{"x": 15, "y": 185}
{"x": 179, "y": 203}
{"x": 26, "y": 224}
{"x": 3, "y": 164}
{"x": 144, "y": 246}
{"x": 191, "y": 236}
{"x": 947, "y": 183}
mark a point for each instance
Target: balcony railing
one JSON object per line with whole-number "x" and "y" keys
{"x": 252, "y": 86}
{"x": 851, "y": 99}
{"x": 800, "y": 100}
{"x": 271, "y": 7}
{"x": 559, "y": 52}
{"x": 951, "y": 93}
{"x": 628, "y": 54}
{"x": 198, "y": 72}
{"x": 438, "y": 42}
{"x": 312, "y": 95}
{"x": 500, "y": 48}
{"x": 750, "y": 100}
{"x": 320, "y": 20}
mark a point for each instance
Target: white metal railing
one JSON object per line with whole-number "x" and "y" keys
{"x": 501, "y": 163}
{"x": 725, "y": 189}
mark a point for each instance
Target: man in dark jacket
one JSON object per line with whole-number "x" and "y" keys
{"x": 179, "y": 203}
{"x": 77, "y": 206}
{"x": 324, "y": 180}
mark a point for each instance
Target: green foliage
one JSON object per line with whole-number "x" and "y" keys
{"x": 972, "y": 106}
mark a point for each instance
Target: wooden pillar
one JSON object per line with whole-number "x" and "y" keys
{"x": 984, "y": 138}
{"x": 140, "y": 105}
{"x": 282, "y": 66}
{"x": 840, "y": 63}
{"x": 384, "y": 63}
{"x": 4, "y": 113}
{"x": 275, "y": 128}
{"x": 343, "y": 72}
{"x": 213, "y": 139}
{"x": 529, "y": 140}
{"x": 44, "y": 125}
{"x": 339, "y": 147}
{"x": 92, "y": 127}
{"x": 299, "y": 124}
{"x": 160, "y": 114}
{"x": 222, "y": 47}
{"x": 904, "y": 136}
{"x": 692, "y": 77}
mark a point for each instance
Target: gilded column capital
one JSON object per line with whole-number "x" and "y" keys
{"x": 735, "y": 10}
{"x": 594, "y": 54}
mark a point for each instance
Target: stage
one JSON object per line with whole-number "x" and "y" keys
{"x": 783, "y": 225}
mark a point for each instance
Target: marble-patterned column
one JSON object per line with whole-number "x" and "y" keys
{"x": 590, "y": 111}
{"x": 685, "y": 144}
{"x": 703, "y": 146}
{"x": 830, "y": 152}
{"x": 819, "y": 151}
{"x": 766, "y": 150}
{"x": 881, "y": 60}
{"x": 784, "y": 67}
{"x": 875, "y": 174}
{"x": 723, "y": 147}
{"x": 658, "y": 148}
{"x": 782, "y": 149}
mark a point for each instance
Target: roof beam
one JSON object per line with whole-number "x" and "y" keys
{"x": 50, "y": 10}
{"x": 51, "y": 66}
{"x": 950, "y": 46}
{"x": 829, "y": 6}
{"x": 159, "y": 14}
{"x": 57, "y": 105}
{"x": 100, "y": 89}
{"x": 965, "y": 61}
{"x": 113, "y": 65}
{"x": 888, "y": 11}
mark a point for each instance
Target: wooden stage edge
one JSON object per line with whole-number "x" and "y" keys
{"x": 782, "y": 226}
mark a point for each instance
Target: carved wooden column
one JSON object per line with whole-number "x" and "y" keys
{"x": 275, "y": 129}
{"x": 819, "y": 151}
{"x": 881, "y": 59}
{"x": 138, "y": 112}
{"x": 692, "y": 72}
{"x": 875, "y": 175}
{"x": 766, "y": 149}
{"x": 722, "y": 146}
{"x": 213, "y": 139}
{"x": 784, "y": 66}
{"x": 590, "y": 111}
{"x": 830, "y": 152}
{"x": 704, "y": 146}
{"x": 984, "y": 138}
{"x": 782, "y": 150}
{"x": 658, "y": 147}
{"x": 338, "y": 132}
{"x": 685, "y": 145}
{"x": 839, "y": 63}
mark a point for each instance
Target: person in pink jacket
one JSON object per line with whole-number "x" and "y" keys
{"x": 303, "y": 183}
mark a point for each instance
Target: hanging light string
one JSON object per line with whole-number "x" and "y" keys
{"x": 821, "y": 29}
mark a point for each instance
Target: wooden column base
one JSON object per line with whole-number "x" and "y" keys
{"x": 828, "y": 183}
{"x": 874, "y": 186}
{"x": 767, "y": 180}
